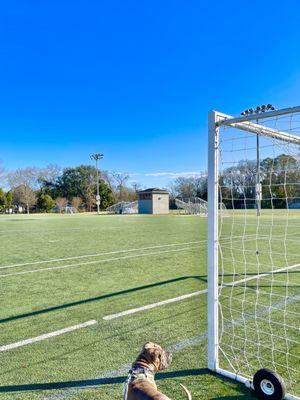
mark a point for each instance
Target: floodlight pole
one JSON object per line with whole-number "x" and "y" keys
{"x": 97, "y": 157}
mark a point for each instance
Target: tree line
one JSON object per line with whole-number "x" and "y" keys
{"x": 54, "y": 188}
{"x": 49, "y": 188}
{"x": 279, "y": 178}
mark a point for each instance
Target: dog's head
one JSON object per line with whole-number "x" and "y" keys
{"x": 156, "y": 355}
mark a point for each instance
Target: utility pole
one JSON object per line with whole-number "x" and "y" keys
{"x": 97, "y": 157}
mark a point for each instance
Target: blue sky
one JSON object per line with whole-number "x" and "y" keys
{"x": 135, "y": 79}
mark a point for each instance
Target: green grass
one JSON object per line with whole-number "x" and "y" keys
{"x": 91, "y": 363}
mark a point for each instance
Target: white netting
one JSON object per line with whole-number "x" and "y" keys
{"x": 259, "y": 250}
{"x": 123, "y": 207}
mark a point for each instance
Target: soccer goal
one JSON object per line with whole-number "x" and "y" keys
{"x": 254, "y": 253}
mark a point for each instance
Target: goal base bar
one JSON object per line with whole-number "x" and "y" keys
{"x": 246, "y": 381}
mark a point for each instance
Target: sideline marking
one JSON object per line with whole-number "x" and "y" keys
{"x": 47, "y": 336}
{"x": 98, "y": 261}
{"x": 186, "y": 296}
{"x": 98, "y": 254}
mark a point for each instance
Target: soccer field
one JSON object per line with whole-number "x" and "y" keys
{"x": 73, "y": 289}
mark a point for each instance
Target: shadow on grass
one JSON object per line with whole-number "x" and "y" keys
{"x": 202, "y": 278}
{"x": 245, "y": 393}
{"x": 95, "y": 382}
{"x": 97, "y": 298}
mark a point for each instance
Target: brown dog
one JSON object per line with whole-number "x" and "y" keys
{"x": 140, "y": 384}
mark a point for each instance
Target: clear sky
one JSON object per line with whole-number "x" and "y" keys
{"x": 135, "y": 79}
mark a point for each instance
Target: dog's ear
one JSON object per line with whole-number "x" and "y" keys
{"x": 148, "y": 345}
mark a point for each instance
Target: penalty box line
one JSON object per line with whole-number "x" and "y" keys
{"x": 54, "y": 260}
{"x": 98, "y": 254}
{"x": 193, "y": 294}
{"x": 47, "y": 336}
{"x": 99, "y": 261}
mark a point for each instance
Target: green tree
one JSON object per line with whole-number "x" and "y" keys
{"x": 9, "y": 199}
{"x": 81, "y": 182}
{"x": 2, "y": 200}
{"x": 45, "y": 202}
{"x": 106, "y": 195}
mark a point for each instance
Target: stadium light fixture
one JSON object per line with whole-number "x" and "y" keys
{"x": 258, "y": 110}
{"x": 97, "y": 157}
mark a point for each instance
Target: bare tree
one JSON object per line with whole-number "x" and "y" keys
{"x": 189, "y": 187}
{"x": 120, "y": 179}
{"x": 173, "y": 191}
{"x": 76, "y": 202}
{"x": 2, "y": 173}
{"x": 49, "y": 174}
{"x": 61, "y": 202}
{"x": 23, "y": 195}
{"x": 108, "y": 178}
{"x": 23, "y": 182}
{"x": 136, "y": 186}
{"x": 26, "y": 176}
{"x": 185, "y": 187}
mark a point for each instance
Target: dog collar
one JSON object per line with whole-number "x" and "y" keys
{"x": 139, "y": 370}
{"x": 136, "y": 373}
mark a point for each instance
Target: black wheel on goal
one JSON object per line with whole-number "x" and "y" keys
{"x": 269, "y": 385}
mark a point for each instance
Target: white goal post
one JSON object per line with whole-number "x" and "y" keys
{"x": 254, "y": 253}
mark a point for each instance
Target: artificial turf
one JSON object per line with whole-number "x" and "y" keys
{"x": 127, "y": 263}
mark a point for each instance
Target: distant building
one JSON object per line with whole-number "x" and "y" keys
{"x": 153, "y": 201}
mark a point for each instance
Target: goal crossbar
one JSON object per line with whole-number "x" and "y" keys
{"x": 253, "y": 117}
{"x": 245, "y": 124}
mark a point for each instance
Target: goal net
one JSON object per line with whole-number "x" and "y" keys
{"x": 254, "y": 253}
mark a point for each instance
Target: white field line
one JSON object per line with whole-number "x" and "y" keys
{"x": 47, "y": 336}
{"x": 275, "y": 271}
{"x": 153, "y": 305}
{"x": 176, "y": 347}
{"x": 98, "y": 254}
{"x": 116, "y": 252}
{"x": 189, "y": 295}
{"x": 99, "y": 261}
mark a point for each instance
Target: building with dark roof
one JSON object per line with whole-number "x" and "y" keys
{"x": 153, "y": 201}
